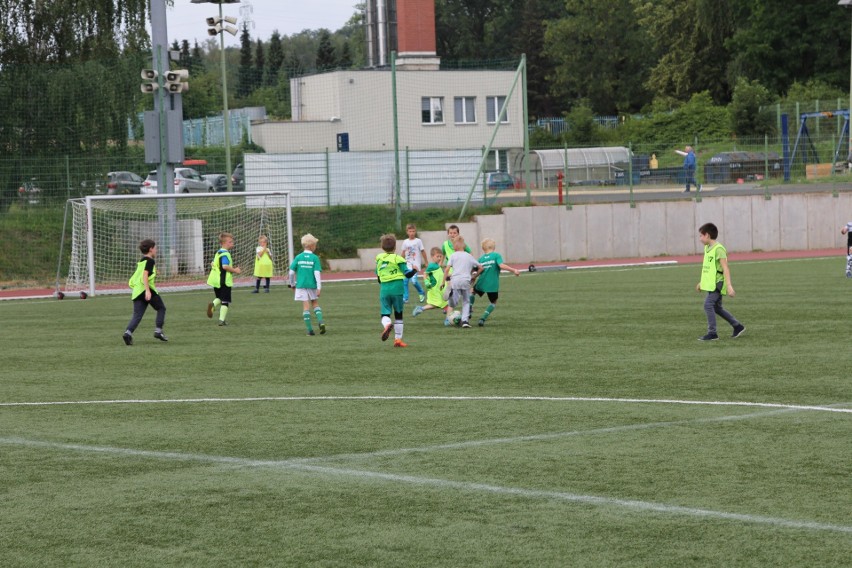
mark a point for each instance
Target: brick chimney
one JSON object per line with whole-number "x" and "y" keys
{"x": 416, "y": 35}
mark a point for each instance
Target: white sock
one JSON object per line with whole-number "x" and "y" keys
{"x": 397, "y": 329}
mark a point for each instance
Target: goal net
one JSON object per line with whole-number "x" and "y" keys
{"x": 106, "y": 232}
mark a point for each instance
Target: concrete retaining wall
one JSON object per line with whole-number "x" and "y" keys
{"x": 615, "y": 230}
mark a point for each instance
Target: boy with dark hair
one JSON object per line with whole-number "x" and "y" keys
{"x": 144, "y": 293}
{"x": 391, "y": 271}
{"x": 448, "y": 248}
{"x": 221, "y": 277}
{"x": 716, "y": 281}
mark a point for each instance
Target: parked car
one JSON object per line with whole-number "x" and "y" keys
{"x": 123, "y": 183}
{"x": 187, "y": 180}
{"x": 499, "y": 181}
{"x": 29, "y": 192}
{"x": 238, "y": 178}
{"x": 216, "y": 182}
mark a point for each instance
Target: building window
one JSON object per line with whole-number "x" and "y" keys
{"x": 465, "y": 108}
{"x": 493, "y": 105}
{"x": 432, "y": 110}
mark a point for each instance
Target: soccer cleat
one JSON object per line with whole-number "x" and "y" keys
{"x": 417, "y": 311}
{"x": 210, "y": 310}
{"x": 387, "y": 331}
{"x": 255, "y": 291}
{"x": 465, "y": 324}
{"x": 708, "y": 337}
{"x": 481, "y": 323}
{"x": 322, "y": 329}
{"x": 738, "y": 330}
{"x": 159, "y": 335}
{"x": 222, "y": 323}
{"x": 311, "y": 332}
{"x": 399, "y": 343}
{"x": 128, "y": 338}
{"x": 422, "y": 298}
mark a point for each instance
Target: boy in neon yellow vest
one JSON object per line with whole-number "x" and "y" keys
{"x": 716, "y": 281}
{"x": 391, "y": 272}
{"x": 221, "y": 277}
{"x": 144, "y": 293}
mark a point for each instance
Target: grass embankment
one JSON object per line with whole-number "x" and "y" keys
{"x": 31, "y": 237}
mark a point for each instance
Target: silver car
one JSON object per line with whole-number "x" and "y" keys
{"x": 187, "y": 180}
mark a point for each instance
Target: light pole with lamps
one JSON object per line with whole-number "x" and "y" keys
{"x": 218, "y": 26}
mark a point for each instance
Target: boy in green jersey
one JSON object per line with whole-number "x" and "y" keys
{"x": 488, "y": 282}
{"x": 448, "y": 248}
{"x": 221, "y": 277}
{"x": 391, "y": 272}
{"x": 433, "y": 281}
{"x": 145, "y": 293}
{"x": 305, "y": 278}
{"x": 716, "y": 281}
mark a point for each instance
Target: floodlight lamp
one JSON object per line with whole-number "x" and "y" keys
{"x": 845, "y": 3}
{"x": 212, "y": 31}
{"x": 233, "y": 20}
{"x": 212, "y": 21}
{"x": 231, "y": 30}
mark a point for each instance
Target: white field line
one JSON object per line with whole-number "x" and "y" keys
{"x": 441, "y": 484}
{"x": 368, "y": 398}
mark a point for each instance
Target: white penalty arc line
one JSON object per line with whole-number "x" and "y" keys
{"x": 815, "y": 408}
{"x": 437, "y": 483}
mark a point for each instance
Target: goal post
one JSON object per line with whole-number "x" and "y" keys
{"x": 106, "y": 232}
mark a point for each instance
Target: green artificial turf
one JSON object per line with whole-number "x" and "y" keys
{"x": 577, "y": 428}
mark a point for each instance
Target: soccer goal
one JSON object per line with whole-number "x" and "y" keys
{"x": 106, "y": 231}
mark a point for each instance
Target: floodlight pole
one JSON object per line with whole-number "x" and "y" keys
{"x": 848, "y": 4}
{"x": 225, "y": 114}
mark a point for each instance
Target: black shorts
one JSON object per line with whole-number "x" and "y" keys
{"x": 492, "y": 296}
{"x": 224, "y": 294}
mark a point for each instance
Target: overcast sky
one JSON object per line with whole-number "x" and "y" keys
{"x": 187, "y": 20}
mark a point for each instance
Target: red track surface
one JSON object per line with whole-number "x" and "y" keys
{"x": 25, "y": 293}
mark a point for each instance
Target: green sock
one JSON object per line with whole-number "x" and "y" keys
{"x": 488, "y": 311}
{"x": 217, "y": 302}
{"x": 306, "y": 315}
{"x": 318, "y": 313}
{"x": 223, "y": 313}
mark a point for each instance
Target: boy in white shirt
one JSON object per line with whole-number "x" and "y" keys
{"x": 464, "y": 269}
{"x": 414, "y": 254}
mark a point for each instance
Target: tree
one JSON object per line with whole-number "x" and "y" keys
{"x": 245, "y": 74}
{"x": 325, "y": 51}
{"x": 602, "y": 56}
{"x": 274, "y": 61}
{"x": 259, "y": 66}
{"x": 746, "y": 116}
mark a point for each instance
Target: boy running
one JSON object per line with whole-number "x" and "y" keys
{"x": 221, "y": 277}
{"x": 391, "y": 270}
{"x": 488, "y": 281}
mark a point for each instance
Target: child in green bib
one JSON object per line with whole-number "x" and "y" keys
{"x": 716, "y": 281}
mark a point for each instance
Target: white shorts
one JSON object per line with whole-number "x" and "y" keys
{"x": 305, "y": 294}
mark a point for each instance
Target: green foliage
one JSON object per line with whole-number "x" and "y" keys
{"x": 814, "y": 89}
{"x": 326, "y": 58}
{"x": 494, "y": 466}
{"x": 746, "y": 116}
{"x": 583, "y": 130}
{"x": 699, "y": 118}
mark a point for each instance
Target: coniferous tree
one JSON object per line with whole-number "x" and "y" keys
{"x": 259, "y": 65}
{"x": 325, "y": 52}
{"x": 245, "y": 73}
{"x": 274, "y": 60}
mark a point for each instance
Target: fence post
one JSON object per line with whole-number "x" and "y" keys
{"x": 766, "y": 195}
{"x": 327, "y": 179}
{"x": 630, "y": 172}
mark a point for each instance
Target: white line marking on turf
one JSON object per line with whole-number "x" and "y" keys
{"x": 441, "y": 484}
{"x": 815, "y": 408}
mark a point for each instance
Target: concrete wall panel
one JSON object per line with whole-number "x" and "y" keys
{"x": 793, "y": 221}
{"x": 492, "y": 227}
{"x": 652, "y": 229}
{"x": 766, "y": 230}
{"x": 681, "y": 230}
{"x": 519, "y": 245}
{"x": 737, "y": 214}
{"x": 821, "y": 214}
{"x": 708, "y": 211}
{"x": 842, "y": 215}
{"x": 600, "y": 233}
{"x": 545, "y": 234}
{"x": 625, "y": 223}
{"x": 572, "y": 230}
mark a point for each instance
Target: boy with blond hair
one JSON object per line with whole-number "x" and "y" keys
{"x": 488, "y": 281}
{"x": 433, "y": 280}
{"x": 305, "y": 277}
{"x": 221, "y": 278}
{"x": 391, "y": 270}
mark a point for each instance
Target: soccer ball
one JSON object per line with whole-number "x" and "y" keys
{"x": 455, "y": 317}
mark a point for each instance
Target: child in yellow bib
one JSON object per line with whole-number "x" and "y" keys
{"x": 262, "y": 264}
{"x": 716, "y": 281}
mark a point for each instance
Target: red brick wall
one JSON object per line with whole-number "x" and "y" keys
{"x": 416, "y": 25}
